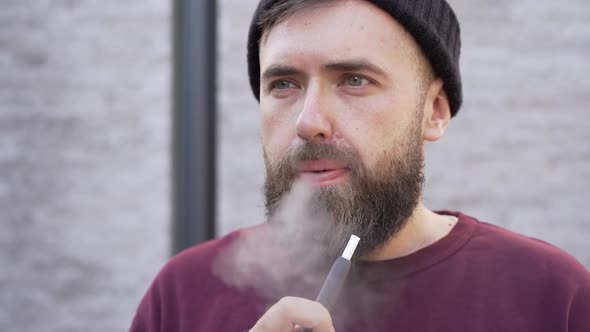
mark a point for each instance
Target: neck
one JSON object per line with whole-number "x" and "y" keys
{"x": 423, "y": 229}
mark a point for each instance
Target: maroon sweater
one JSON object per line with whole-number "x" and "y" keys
{"x": 478, "y": 278}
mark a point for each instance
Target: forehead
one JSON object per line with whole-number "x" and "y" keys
{"x": 341, "y": 29}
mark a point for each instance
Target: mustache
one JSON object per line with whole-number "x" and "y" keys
{"x": 316, "y": 151}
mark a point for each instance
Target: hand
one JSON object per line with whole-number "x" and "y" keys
{"x": 294, "y": 314}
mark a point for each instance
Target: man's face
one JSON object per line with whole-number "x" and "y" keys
{"x": 341, "y": 106}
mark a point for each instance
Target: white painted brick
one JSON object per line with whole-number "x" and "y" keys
{"x": 84, "y": 161}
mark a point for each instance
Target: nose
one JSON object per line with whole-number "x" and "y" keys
{"x": 313, "y": 122}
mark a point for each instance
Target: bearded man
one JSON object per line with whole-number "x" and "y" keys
{"x": 349, "y": 92}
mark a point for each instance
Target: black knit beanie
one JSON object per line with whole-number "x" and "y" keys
{"x": 432, "y": 23}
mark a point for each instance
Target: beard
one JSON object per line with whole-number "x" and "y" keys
{"x": 374, "y": 204}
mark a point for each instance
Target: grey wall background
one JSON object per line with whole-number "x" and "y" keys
{"x": 84, "y": 148}
{"x": 84, "y": 160}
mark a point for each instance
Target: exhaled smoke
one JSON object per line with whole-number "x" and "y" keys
{"x": 286, "y": 256}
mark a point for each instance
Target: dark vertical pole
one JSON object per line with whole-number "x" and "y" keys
{"x": 194, "y": 122}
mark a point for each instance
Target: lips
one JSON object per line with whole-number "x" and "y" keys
{"x": 321, "y": 172}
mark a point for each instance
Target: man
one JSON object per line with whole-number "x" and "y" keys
{"x": 349, "y": 91}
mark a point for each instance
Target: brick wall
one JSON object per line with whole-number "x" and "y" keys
{"x": 84, "y": 174}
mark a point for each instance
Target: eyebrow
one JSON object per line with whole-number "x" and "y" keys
{"x": 278, "y": 71}
{"x": 358, "y": 65}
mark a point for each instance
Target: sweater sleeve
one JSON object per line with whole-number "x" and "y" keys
{"x": 147, "y": 317}
{"x": 579, "y": 313}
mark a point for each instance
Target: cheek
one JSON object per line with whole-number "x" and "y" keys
{"x": 373, "y": 123}
{"x": 277, "y": 131}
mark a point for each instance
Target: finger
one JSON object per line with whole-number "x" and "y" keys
{"x": 290, "y": 311}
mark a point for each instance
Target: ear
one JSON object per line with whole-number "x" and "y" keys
{"x": 437, "y": 112}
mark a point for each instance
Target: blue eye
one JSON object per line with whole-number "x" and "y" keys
{"x": 282, "y": 85}
{"x": 356, "y": 81}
